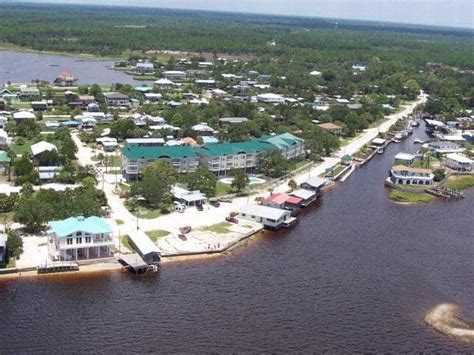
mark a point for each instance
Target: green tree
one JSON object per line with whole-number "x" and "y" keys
{"x": 273, "y": 164}
{"x": 241, "y": 180}
{"x": 292, "y": 185}
{"x": 155, "y": 185}
{"x": 14, "y": 244}
{"x": 28, "y": 128}
{"x": 204, "y": 180}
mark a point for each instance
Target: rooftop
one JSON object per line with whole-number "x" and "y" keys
{"x": 401, "y": 168}
{"x": 92, "y": 225}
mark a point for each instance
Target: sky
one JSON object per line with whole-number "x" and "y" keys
{"x": 449, "y": 13}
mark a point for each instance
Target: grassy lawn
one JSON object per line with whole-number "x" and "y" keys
{"x": 157, "y": 234}
{"x": 23, "y": 148}
{"x": 112, "y": 160}
{"x": 146, "y": 213}
{"x": 336, "y": 171}
{"x": 222, "y": 189}
{"x": 301, "y": 163}
{"x": 460, "y": 182}
{"x": 126, "y": 243}
{"x": 425, "y": 164}
{"x": 220, "y": 228}
{"x": 402, "y": 196}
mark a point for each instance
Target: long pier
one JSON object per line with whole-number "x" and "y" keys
{"x": 444, "y": 192}
{"x": 63, "y": 266}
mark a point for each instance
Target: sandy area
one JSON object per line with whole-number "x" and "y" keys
{"x": 446, "y": 318}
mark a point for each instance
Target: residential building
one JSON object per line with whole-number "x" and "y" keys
{"x": 134, "y": 157}
{"x": 146, "y": 142}
{"x": 29, "y": 91}
{"x": 43, "y": 146}
{"x": 444, "y": 147}
{"x": 153, "y": 97}
{"x": 174, "y": 75}
{"x": 116, "y": 99}
{"x": 222, "y": 157}
{"x": 80, "y": 238}
{"x": 5, "y": 162}
{"x": 227, "y": 121}
{"x": 271, "y": 218}
{"x": 404, "y": 175}
{"x": 39, "y": 105}
{"x": 165, "y": 84}
{"x": 457, "y": 162}
{"x": 332, "y": 128}
{"x": 186, "y": 197}
{"x": 270, "y": 98}
{"x": 3, "y": 250}
{"x": 405, "y": 158}
{"x": 314, "y": 184}
{"x": 283, "y": 201}
{"x": 4, "y": 138}
{"x": 23, "y": 115}
{"x": 3, "y": 121}
{"x": 3, "y": 103}
{"x": 202, "y": 129}
{"x": 48, "y": 173}
{"x": 307, "y": 196}
{"x": 144, "y": 67}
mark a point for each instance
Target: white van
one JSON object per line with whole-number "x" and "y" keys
{"x": 178, "y": 207}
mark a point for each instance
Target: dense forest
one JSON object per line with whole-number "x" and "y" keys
{"x": 111, "y": 31}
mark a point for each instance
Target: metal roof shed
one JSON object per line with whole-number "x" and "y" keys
{"x": 145, "y": 247}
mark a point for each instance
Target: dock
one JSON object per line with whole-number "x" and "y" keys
{"x": 55, "y": 267}
{"x": 444, "y": 192}
{"x": 135, "y": 264}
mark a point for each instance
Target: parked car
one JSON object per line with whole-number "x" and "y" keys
{"x": 182, "y": 237}
{"x": 214, "y": 203}
{"x": 231, "y": 219}
{"x": 225, "y": 200}
{"x": 178, "y": 207}
{"x": 234, "y": 214}
{"x": 185, "y": 229}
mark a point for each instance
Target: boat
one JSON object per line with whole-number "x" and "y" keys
{"x": 404, "y": 134}
{"x": 414, "y": 123}
{"x": 398, "y": 136}
{"x": 418, "y": 141}
{"x": 380, "y": 150}
{"x": 409, "y": 130}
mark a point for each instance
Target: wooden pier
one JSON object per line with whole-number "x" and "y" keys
{"x": 63, "y": 266}
{"x": 444, "y": 192}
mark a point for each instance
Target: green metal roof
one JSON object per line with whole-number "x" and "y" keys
{"x": 4, "y": 158}
{"x": 92, "y": 225}
{"x": 134, "y": 151}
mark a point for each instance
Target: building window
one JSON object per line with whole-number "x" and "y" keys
{"x": 78, "y": 240}
{"x": 78, "y": 234}
{"x": 69, "y": 241}
{"x": 88, "y": 239}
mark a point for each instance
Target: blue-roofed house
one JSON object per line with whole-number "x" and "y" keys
{"x": 80, "y": 238}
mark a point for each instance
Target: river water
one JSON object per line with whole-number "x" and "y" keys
{"x": 357, "y": 274}
{"x": 18, "y": 67}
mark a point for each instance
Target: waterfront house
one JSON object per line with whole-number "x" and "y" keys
{"x": 405, "y": 158}
{"x": 144, "y": 67}
{"x": 228, "y": 121}
{"x": 80, "y": 238}
{"x": 65, "y": 79}
{"x": 444, "y": 147}
{"x": 134, "y": 157}
{"x": 457, "y": 162}
{"x": 116, "y": 99}
{"x": 174, "y": 75}
{"x": 405, "y": 175}
{"x": 283, "y": 201}
{"x": 153, "y": 97}
{"x": 186, "y": 197}
{"x": 307, "y": 196}
{"x": 331, "y": 128}
{"x": 3, "y": 250}
{"x": 271, "y": 218}
{"x": 41, "y": 147}
{"x": 315, "y": 184}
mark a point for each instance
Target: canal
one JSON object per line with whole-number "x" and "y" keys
{"x": 357, "y": 274}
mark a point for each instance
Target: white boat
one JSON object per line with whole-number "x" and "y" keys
{"x": 380, "y": 150}
{"x": 418, "y": 141}
{"x": 394, "y": 140}
{"x": 409, "y": 130}
{"x": 398, "y": 136}
{"x": 404, "y": 134}
{"x": 415, "y": 123}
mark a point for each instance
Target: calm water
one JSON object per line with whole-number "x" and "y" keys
{"x": 357, "y": 274}
{"x": 19, "y": 67}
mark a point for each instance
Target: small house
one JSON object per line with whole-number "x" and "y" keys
{"x": 186, "y": 197}
{"x": 144, "y": 67}
{"x": 314, "y": 184}
{"x": 307, "y": 196}
{"x": 116, "y": 99}
{"x": 331, "y": 128}
{"x": 457, "y": 162}
{"x": 41, "y": 147}
{"x": 228, "y": 121}
{"x": 405, "y": 175}
{"x": 271, "y": 218}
